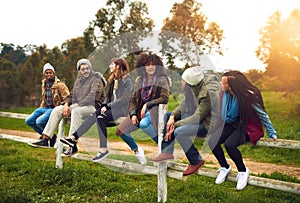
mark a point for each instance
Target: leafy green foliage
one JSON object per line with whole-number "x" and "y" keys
{"x": 118, "y": 17}
{"x": 190, "y": 24}
{"x": 8, "y": 86}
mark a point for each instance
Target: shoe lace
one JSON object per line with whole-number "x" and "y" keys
{"x": 68, "y": 151}
{"x": 98, "y": 154}
{"x": 240, "y": 175}
{"x": 222, "y": 170}
{"x": 139, "y": 154}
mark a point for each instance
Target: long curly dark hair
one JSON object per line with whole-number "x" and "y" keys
{"x": 148, "y": 58}
{"x": 245, "y": 92}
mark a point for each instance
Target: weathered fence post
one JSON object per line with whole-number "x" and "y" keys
{"x": 60, "y": 146}
{"x": 162, "y": 166}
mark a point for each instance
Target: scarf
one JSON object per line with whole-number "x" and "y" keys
{"x": 147, "y": 87}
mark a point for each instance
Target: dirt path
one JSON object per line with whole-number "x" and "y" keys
{"x": 91, "y": 145}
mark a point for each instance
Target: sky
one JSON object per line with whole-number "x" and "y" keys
{"x": 53, "y": 22}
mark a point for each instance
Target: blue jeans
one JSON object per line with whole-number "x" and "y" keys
{"x": 146, "y": 125}
{"x": 185, "y": 136}
{"x": 38, "y": 119}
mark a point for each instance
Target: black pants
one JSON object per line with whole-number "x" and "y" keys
{"x": 232, "y": 137}
{"x": 101, "y": 124}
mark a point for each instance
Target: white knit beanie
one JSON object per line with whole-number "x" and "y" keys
{"x": 193, "y": 75}
{"x": 84, "y": 61}
{"x": 48, "y": 66}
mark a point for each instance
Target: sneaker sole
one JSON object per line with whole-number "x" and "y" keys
{"x": 66, "y": 142}
{"x": 98, "y": 160}
{"x": 37, "y": 146}
{"x": 63, "y": 155}
{"x": 165, "y": 160}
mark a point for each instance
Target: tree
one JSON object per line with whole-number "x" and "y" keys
{"x": 63, "y": 66}
{"x": 117, "y": 30}
{"x": 193, "y": 33}
{"x": 8, "y": 83}
{"x": 280, "y": 45}
{"x": 73, "y": 50}
{"x": 119, "y": 17}
{"x": 254, "y": 75}
{"x": 31, "y": 76}
{"x": 14, "y": 54}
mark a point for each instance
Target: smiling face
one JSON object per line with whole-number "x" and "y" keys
{"x": 150, "y": 69}
{"x": 49, "y": 74}
{"x": 84, "y": 70}
{"x": 112, "y": 67}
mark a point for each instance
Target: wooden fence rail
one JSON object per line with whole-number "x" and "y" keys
{"x": 173, "y": 170}
{"x": 264, "y": 142}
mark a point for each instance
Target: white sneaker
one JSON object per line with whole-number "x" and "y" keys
{"x": 223, "y": 172}
{"x": 141, "y": 156}
{"x": 242, "y": 179}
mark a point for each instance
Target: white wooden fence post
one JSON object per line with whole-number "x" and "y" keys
{"x": 60, "y": 146}
{"x": 162, "y": 166}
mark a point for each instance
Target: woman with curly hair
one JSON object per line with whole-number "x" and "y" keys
{"x": 151, "y": 88}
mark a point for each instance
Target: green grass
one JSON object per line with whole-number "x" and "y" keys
{"x": 14, "y": 124}
{"x": 28, "y": 175}
{"x": 26, "y": 110}
{"x": 284, "y": 112}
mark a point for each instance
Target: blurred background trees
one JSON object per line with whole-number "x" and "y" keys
{"x": 21, "y": 67}
{"x": 280, "y": 51}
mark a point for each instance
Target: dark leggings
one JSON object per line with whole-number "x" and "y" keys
{"x": 101, "y": 125}
{"x": 231, "y": 138}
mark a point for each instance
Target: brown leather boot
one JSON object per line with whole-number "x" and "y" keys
{"x": 193, "y": 168}
{"x": 162, "y": 157}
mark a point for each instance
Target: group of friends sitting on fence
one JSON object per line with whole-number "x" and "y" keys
{"x": 227, "y": 109}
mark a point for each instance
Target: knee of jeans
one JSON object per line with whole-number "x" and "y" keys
{"x": 144, "y": 124}
{"x": 28, "y": 121}
{"x": 178, "y": 132}
{"x": 40, "y": 123}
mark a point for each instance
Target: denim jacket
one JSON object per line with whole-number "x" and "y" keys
{"x": 264, "y": 118}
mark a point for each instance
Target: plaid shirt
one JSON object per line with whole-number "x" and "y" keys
{"x": 48, "y": 93}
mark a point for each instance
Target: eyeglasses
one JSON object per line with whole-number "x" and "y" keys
{"x": 84, "y": 69}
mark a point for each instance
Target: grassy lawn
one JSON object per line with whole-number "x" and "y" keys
{"x": 29, "y": 175}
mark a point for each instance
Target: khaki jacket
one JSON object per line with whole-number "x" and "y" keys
{"x": 60, "y": 92}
